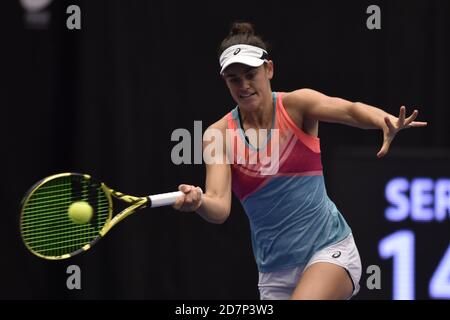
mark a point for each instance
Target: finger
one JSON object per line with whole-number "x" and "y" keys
{"x": 196, "y": 200}
{"x": 178, "y": 202}
{"x": 384, "y": 148}
{"x": 188, "y": 200}
{"x": 382, "y": 152}
{"x": 185, "y": 188}
{"x": 418, "y": 124}
{"x": 199, "y": 193}
{"x": 411, "y": 118}
{"x": 401, "y": 116}
{"x": 195, "y": 196}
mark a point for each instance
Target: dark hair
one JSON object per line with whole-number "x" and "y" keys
{"x": 242, "y": 33}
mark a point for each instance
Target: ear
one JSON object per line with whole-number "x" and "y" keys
{"x": 269, "y": 69}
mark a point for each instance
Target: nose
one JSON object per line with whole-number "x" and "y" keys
{"x": 245, "y": 84}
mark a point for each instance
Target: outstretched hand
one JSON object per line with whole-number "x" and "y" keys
{"x": 394, "y": 125}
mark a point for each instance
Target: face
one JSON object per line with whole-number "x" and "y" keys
{"x": 249, "y": 86}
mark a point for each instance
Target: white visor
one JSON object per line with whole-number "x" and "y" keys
{"x": 242, "y": 53}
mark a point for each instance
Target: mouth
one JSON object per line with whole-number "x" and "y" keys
{"x": 246, "y": 96}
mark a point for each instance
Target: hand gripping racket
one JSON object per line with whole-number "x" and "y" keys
{"x": 48, "y": 230}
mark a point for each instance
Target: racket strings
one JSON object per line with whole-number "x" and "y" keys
{"x": 37, "y": 230}
{"x": 46, "y": 227}
{"x": 36, "y": 220}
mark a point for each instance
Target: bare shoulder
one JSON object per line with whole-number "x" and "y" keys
{"x": 214, "y": 139}
{"x": 221, "y": 124}
{"x": 297, "y": 104}
{"x": 218, "y": 128}
{"x": 300, "y": 98}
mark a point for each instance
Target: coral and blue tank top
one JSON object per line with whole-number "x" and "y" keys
{"x": 282, "y": 189}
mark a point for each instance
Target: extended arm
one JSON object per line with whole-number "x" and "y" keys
{"x": 315, "y": 105}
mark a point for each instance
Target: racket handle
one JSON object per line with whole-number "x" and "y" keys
{"x": 165, "y": 199}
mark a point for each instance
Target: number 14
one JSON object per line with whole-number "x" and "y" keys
{"x": 400, "y": 246}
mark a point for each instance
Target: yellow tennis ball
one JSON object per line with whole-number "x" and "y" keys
{"x": 80, "y": 212}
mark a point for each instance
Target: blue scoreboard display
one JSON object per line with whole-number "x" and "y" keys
{"x": 399, "y": 210}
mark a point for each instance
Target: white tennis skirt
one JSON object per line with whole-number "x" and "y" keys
{"x": 280, "y": 285}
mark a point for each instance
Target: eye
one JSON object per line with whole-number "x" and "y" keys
{"x": 250, "y": 75}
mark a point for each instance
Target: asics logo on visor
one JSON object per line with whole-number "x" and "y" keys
{"x": 242, "y": 53}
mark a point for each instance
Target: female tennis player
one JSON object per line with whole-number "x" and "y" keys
{"x": 303, "y": 247}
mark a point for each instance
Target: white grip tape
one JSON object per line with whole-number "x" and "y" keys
{"x": 165, "y": 199}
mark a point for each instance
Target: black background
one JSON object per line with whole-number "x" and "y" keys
{"x": 105, "y": 99}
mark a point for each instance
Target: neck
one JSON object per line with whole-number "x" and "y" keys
{"x": 261, "y": 117}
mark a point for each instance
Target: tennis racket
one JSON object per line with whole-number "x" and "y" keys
{"x": 49, "y": 232}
